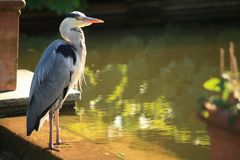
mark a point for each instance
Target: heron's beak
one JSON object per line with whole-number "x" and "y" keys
{"x": 92, "y": 20}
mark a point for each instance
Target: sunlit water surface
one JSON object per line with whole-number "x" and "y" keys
{"x": 142, "y": 88}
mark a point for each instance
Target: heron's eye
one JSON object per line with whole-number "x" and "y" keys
{"x": 79, "y": 18}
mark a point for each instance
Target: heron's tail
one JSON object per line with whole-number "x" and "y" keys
{"x": 30, "y": 122}
{"x": 35, "y": 122}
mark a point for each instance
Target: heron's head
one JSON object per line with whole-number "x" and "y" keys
{"x": 76, "y": 20}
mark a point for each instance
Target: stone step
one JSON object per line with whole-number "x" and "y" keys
{"x": 14, "y": 140}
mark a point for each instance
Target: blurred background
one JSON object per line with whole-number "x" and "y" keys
{"x": 145, "y": 69}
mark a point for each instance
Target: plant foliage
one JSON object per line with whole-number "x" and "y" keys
{"x": 213, "y": 84}
{"x": 226, "y": 90}
{"x": 58, "y": 6}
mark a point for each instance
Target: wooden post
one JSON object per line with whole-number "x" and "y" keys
{"x": 233, "y": 62}
{"x": 9, "y": 36}
{"x": 221, "y": 61}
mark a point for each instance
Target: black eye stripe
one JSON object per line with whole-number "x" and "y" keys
{"x": 72, "y": 15}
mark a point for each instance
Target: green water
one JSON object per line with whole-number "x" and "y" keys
{"x": 142, "y": 87}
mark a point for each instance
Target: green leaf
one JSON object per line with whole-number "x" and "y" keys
{"x": 213, "y": 84}
{"x": 205, "y": 114}
{"x": 226, "y": 93}
{"x": 218, "y": 102}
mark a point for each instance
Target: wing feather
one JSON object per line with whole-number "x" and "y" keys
{"x": 50, "y": 80}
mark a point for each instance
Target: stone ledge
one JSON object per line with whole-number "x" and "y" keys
{"x": 14, "y": 139}
{"x": 16, "y": 102}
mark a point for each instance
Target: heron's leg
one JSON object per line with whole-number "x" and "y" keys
{"x": 56, "y": 114}
{"x": 50, "y": 128}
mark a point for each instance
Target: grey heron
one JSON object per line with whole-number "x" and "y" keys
{"x": 59, "y": 68}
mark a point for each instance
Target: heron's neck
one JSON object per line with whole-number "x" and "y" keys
{"x": 75, "y": 37}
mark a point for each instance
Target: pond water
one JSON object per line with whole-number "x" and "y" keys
{"x": 142, "y": 87}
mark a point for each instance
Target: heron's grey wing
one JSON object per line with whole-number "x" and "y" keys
{"x": 45, "y": 64}
{"x": 50, "y": 81}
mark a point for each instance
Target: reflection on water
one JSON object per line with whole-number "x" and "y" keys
{"x": 142, "y": 88}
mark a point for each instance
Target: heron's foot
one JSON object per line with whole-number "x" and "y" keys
{"x": 58, "y": 141}
{"x": 51, "y": 147}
